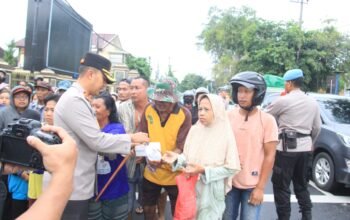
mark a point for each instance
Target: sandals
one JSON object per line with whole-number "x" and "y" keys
{"x": 139, "y": 210}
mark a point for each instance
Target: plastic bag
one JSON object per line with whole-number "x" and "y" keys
{"x": 186, "y": 207}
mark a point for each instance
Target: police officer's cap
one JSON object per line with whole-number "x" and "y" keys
{"x": 293, "y": 74}
{"x": 99, "y": 62}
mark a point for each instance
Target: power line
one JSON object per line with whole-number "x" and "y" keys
{"x": 97, "y": 35}
{"x": 107, "y": 41}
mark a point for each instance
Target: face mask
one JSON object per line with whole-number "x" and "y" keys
{"x": 188, "y": 100}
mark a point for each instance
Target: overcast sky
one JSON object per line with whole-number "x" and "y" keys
{"x": 167, "y": 30}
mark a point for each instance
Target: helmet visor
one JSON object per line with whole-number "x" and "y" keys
{"x": 245, "y": 84}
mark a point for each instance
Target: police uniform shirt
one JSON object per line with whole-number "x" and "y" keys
{"x": 299, "y": 112}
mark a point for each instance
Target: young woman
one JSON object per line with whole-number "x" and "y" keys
{"x": 35, "y": 182}
{"x": 113, "y": 203}
{"x": 210, "y": 151}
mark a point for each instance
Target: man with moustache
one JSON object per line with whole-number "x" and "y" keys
{"x": 130, "y": 113}
{"x": 124, "y": 91}
{"x": 167, "y": 122}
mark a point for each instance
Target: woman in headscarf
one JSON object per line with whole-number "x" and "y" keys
{"x": 17, "y": 183}
{"x": 210, "y": 151}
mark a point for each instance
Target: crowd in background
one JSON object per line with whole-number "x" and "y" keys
{"x": 228, "y": 152}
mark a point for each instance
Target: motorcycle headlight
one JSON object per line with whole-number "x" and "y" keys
{"x": 345, "y": 139}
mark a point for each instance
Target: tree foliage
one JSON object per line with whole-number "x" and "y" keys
{"x": 192, "y": 81}
{"x": 9, "y": 53}
{"x": 140, "y": 64}
{"x": 240, "y": 41}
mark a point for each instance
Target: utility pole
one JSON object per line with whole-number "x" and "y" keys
{"x": 302, "y": 2}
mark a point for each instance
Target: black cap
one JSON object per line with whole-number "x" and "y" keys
{"x": 100, "y": 63}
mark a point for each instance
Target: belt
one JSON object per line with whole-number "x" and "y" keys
{"x": 299, "y": 135}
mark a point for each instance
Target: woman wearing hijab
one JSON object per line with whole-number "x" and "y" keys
{"x": 17, "y": 183}
{"x": 210, "y": 151}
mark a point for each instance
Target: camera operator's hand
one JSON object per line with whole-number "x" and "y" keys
{"x": 11, "y": 169}
{"x": 59, "y": 158}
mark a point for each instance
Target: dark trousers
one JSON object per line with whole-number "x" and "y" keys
{"x": 152, "y": 193}
{"x": 76, "y": 210}
{"x": 5, "y": 206}
{"x": 291, "y": 167}
{"x": 18, "y": 207}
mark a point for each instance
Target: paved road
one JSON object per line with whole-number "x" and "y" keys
{"x": 327, "y": 206}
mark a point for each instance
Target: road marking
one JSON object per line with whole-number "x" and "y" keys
{"x": 325, "y": 198}
{"x": 314, "y": 199}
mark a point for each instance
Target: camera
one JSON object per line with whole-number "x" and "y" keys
{"x": 14, "y": 148}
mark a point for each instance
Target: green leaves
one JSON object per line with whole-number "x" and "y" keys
{"x": 239, "y": 41}
{"x": 9, "y": 56}
{"x": 140, "y": 64}
{"x": 192, "y": 81}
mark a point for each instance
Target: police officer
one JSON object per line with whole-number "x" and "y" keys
{"x": 299, "y": 122}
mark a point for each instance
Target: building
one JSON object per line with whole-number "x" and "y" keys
{"x": 107, "y": 45}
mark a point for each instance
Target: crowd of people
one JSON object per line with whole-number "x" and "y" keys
{"x": 230, "y": 152}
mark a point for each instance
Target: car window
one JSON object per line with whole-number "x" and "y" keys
{"x": 337, "y": 110}
{"x": 269, "y": 98}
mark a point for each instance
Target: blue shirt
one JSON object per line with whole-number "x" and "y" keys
{"x": 119, "y": 186}
{"x": 18, "y": 187}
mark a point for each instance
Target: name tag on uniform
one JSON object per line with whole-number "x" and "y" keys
{"x": 103, "y": 166}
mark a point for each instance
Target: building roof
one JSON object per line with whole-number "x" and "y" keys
{"x": 97, "y": 40}
{"x": 100, "y": 41}
{"x": 20, "y": 43}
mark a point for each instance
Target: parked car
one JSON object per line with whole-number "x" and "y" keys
{"x": 331, "y": 161}
{"x": 331, "y": 157}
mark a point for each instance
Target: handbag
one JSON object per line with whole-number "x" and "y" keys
{"x": 186, "y": 207}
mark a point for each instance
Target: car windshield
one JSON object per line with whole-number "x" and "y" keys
{"x": 336, "y": 109}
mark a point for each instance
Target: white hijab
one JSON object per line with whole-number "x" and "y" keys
{"x": 213, "y": 145}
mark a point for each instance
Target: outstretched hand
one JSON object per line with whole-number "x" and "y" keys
{"x": 139, "y": 138}
{"x": 170, "y": 157}
{"x": 193, "y": 169}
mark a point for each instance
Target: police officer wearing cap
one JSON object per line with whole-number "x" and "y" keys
{"x": 299, "y": 122}
{"x": 74, "y": 113}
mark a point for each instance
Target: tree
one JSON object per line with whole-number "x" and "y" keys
{"x": 9, "y": 56}
{"x": 192, "y": 81}
{"x": 240, "y": 41}
{"x": 140, "y": 64}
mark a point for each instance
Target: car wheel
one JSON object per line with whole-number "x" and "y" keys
{"x": 323, "y": 172}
